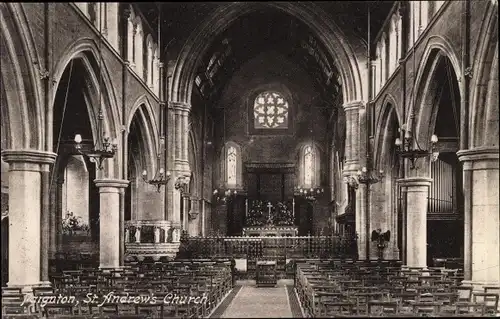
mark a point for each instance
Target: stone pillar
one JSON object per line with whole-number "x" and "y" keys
{"x": 352, "y": 135}
{"x": 362, "y": 222}
{"x": 417, "y": 189}
{"x": 59, "y": 214}
{"x": 193, "y": 217}
{"x": 203, "y": 218}
{"x": 26, "y": 202}
{"x": 110, "y": 215}
{"x": 185, "y": 211}
{"x": 178, "y": 155}
{"x": 481, "y": 216}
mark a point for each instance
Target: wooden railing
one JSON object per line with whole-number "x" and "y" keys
{"x": 254, "y": 247}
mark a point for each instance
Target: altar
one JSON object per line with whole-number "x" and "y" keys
{"x": 264, "y": 219}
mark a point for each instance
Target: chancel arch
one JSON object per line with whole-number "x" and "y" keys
{"x": 344, "y": 54}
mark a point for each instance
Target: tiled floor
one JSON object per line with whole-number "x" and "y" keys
{"x": 253, "y": 302}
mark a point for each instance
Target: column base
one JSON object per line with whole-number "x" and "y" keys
{"x": 28, "y": 288}
{"x": 478, "y": 286}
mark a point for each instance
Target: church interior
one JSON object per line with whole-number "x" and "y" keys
{"x": 250, "y": 159}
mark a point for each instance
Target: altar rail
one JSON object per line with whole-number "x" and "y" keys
{"x": 255, "y": 247}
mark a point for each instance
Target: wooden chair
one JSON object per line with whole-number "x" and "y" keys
{"x": 382, "y": 307}
{"x": 332, "y": 308}
{"x": 489, "y": 300}
{"x": 428, "y": 307}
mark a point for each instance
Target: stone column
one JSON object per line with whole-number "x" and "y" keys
{"x": 481, "y": 216}
{"x": 59, "y": 214}
{"x": 193, "y": 217}
{"x": 185, "y": 211}
{"x": 203, "y": 218}
{"x": 109, "y": 223}
{"x": 362, "y": 222}
{"x": 178, "y": 155}
{"x": 26, "y": 240}
{"x": 352, "y": 135}
{"x": 417, "y": 189}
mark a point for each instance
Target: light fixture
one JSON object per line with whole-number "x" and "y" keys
{"x": 161, "y": 178}
{"x": 309, "y": 193}
{"x": 103, "y": 148}
{"x": 223, "y": 195}
{"x": 366, "y": 176}
{"x": 406, "y": 149}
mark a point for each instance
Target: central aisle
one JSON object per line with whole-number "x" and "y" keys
{"x": 253, "y": 302}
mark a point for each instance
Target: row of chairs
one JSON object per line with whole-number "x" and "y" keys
{"x": 339, "y": 288}
{"x": 180, "y": 289}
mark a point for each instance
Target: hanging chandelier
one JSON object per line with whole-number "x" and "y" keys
{"x": 103, "y": 148}
{"x": 224, "y": 195}
{"x": 406, "y": 150}
{"x": 309, "y": 193}
{"x": 160, "y": 178}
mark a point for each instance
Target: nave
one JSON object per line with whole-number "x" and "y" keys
{"x": 230, "y": 150}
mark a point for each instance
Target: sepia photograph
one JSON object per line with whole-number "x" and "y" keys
{"x": 274, "y": 159}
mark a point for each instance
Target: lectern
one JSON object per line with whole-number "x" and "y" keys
{"x": 266, "y": 273}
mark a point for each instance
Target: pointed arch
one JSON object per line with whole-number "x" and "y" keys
{"x": 388, "y": 113}
{"x": 20, "y": 82}
{"x": 484, "y": 106}
{"x": 425, "y": 101}
{"x": 434, "y": 44}
{"x": 346, "y": 56}
{"x": 87, "y": 52}
{"x": 142, "y": 110}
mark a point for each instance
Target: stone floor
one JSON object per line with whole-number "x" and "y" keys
{"x": 251, "y": 301}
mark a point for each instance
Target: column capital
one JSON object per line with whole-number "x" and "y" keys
{"x": 29, "y": 156}
{"x": 181, "y": 106}
{"x": 479, "y": 158}
{"x": 113, "y": 183}
{"x": 353, "y": 105}
{"x": 415, "y": 181}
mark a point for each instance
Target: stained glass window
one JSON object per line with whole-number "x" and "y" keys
{"x": 308, "y": 165}
{"x": 231, "y": 166}
{"x": 270, "y": 111}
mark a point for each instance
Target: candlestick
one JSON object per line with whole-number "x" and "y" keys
{"x": 246, "y": 208}
{"x": 293, "y": 210}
